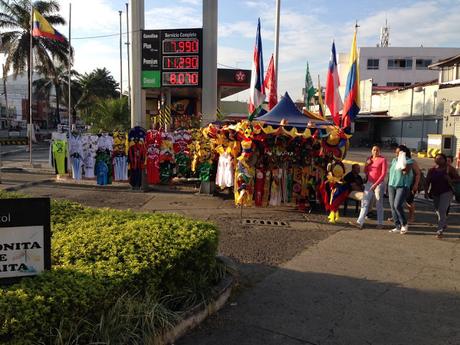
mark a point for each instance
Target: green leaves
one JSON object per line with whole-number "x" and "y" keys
{"x": 100, "y": 255}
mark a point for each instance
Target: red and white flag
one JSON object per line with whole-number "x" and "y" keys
{"x": 256, "y": 90}
{"x": 332, "y": 97}
{"x": 270, "y": 84}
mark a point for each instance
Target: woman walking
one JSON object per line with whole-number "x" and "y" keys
{"x": 439, "y": 187}
{"x": 399, "y": 182}
{"x": 375, "y": 170}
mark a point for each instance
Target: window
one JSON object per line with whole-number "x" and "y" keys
{"x": 398, "y": 84}
{"x": 372, "y": 63}
{"x": 447, "y": 143}
{"x": 447, "y": 74}
{"x": 405, "y": 63}
{"x": 422, "y": 63}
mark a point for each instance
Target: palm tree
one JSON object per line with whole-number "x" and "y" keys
{"x": 57, "y": 80}
{"x": 109, "y": 114}
{"x": 15, "y": 35}
{"x": 96, "y": 86}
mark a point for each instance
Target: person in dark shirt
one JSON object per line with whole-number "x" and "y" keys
{"x": 439, "y": 187}
{"x": 355, "y": 182}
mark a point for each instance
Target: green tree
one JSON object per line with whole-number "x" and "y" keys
{"x": 55, "y": 80}
{"x": 15, "y": 35}
{"x": 95, "y": 86}
{"x": 109, "y": 114}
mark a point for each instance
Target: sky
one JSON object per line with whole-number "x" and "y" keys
{"x": 306, "y": 31}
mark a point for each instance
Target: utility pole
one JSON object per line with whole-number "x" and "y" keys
{"x": 127, "y": 52}
{"x": 121, "y": 61}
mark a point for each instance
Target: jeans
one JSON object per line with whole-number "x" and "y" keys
{"x": 441, "y": 204}
{"x": 397, "y": 197}
{"x": 366, "y": 202}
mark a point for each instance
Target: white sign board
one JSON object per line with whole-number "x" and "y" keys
{"x": 21, "y": 251}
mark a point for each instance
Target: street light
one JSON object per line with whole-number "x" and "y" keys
{"x": 421, "y": 89}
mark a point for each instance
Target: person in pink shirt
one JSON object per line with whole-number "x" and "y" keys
{"x": 375, "y": 170}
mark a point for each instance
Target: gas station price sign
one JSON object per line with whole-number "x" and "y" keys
{"x": 172, "y": 58}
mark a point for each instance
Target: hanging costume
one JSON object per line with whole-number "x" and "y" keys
{"x": 76, "y": 155}
{"x": 59, "y": 150}
{"x": 89, "y": 154}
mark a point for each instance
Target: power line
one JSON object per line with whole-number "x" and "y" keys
{"x": 102, "y": 36}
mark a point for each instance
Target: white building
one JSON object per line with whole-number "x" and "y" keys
{"x": 395, "y": 66}
{"x": 449, "y": 95}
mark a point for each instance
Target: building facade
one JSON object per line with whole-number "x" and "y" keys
{"x": 395, "y": 66}
{"x": 449, "y": 94}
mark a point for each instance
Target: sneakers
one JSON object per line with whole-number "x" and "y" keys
{"x": 439, "y": 233}
{"x": 356, "y": 225}
{"x": 404, "y": 229}
{"x": 394, "y": 231}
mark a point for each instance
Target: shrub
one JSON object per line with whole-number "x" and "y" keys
{"x": 100, "y": 255}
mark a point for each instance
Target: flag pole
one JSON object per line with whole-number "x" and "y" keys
{"x": 277, "y": 40}
{"x": 30, "y": 82}
{"x": 121, "y": 57}
{"x": 69, "y": 106}
{"x": 127, "y": 52}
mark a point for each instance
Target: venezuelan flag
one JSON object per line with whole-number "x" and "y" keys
{"x": 351, "y": 104}
{"x": 41, "y": 28}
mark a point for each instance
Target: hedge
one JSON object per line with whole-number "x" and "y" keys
{"x": 99, "y": 255}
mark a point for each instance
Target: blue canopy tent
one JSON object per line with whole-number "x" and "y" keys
{"x": 286, "y": 113}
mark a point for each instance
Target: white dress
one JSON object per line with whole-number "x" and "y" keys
{"x": 225, "y": 171}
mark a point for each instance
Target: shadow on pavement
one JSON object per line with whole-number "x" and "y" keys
{"x": 290, "y": 307}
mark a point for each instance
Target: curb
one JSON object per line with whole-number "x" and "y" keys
{"x": 26, "y": 185}
{"x": 125, "y": 188}
{"x": 198, "y": 314}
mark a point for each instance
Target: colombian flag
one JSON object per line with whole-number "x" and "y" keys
{"x": 351, "y": 104}
{"x": 41, "y": 28}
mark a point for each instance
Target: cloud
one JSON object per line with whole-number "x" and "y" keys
{"x": 192, "y": 2}
{"x": 167, "y": 17}
{"x": 92, "y": 17}
{"x": 234, "y": 57}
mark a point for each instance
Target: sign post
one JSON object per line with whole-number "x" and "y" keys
{"x": 25, "y": 238}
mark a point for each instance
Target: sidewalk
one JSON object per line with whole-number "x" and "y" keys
{"x": 356, "y": 287}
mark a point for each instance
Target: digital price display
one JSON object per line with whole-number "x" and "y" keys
{"x": 172, "y": 58}
{"x": 181, "y": 62}
{"x": 180, "y": 79}
{"x": 181, "y": 46}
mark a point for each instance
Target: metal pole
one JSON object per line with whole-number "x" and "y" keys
{"x": 4, "y": 90}
{"x": 209, "y": 94}
{"x": 31, "y": 52}
{"x": 137, "y": 94}
{"x": 277, "y": 41}
{"x": 121, "y": 61}
{"x": 127, "y": 52}
{"x": 69, "y": 107}
{"x": 423, "y": 120}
